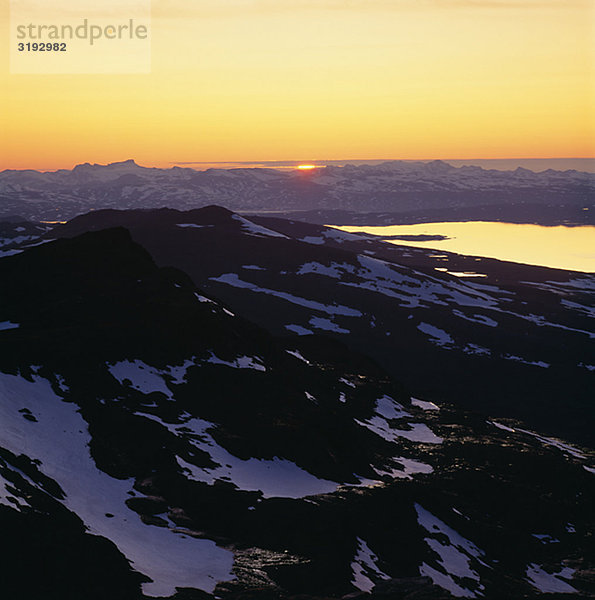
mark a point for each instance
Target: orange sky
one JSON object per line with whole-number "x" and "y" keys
{"x": 251, "y": 80}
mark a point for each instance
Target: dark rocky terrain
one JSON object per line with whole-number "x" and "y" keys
{"x": 154, "y": 443}
{"x": 491, "y": 343}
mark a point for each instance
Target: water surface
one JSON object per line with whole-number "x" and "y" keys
{"x": 561, "y": 247}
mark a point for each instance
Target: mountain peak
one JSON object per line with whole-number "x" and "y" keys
{"x": 439, "y": 165}
{"x": 124, "y": 163}
{"x": 114, "y": 165}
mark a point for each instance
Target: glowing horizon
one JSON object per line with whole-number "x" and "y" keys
{"x": 589, "y": 165}
{"x": 270, "y": 81}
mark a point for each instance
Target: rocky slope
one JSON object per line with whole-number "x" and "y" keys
{"x": 491, "y": 343}
{"x": 150, "y": 433}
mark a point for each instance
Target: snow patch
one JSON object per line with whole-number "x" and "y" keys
{"x": 365, "y": 568}
{"x": 476, "y": 318}
{"x": 298, "y": 355}
{"x": 142, "y": 377}
{"x": 437, "y": 336}
{"x": 203, "y": 298}
{"x": 562, "y": 446}
{"x": 336, "y": 309}
{"x": 334, "y": 270}
{"x": 423, "y": 404}
{"x": 538, "y": 363}
{"x": 327, "y": 325}
{"x": 405, "y": 468}
{"x": 566, "y": 448}
{"x": 312, "y": 239}
{"x": 341, "y": 236}
{"x": 241, "y": 362}
{"x": 275, "y": 478}
{"x": 550, "y": 583}
{"x": 298, "y": 329}
{"x": 477, "y": 350}
{"x": 387, "y": 409}
{"x": 501, "y": 426}
{"x": 545, "y": 538}
{"x": 60, "y": 441}
{"x": 8, "y": 491}
{"x": 419, "y": 432}
{"x": 252, "y": 228}
{"x": 457, "y": 557}
{"x": 4, "y": 253}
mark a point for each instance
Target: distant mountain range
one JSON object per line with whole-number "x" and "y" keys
{"x": 156, "y": 444}
{"x": 402, "y": 189}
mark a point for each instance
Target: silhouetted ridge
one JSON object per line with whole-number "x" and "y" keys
{"x": 103, "y": 219}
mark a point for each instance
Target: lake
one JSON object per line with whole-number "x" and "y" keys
{"x": 561, "y": 247}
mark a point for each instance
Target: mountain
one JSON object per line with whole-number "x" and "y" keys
{"x": 489, "y": 343}
{"x": 154, "y": 443}
{"x": 16, "y": 233}
{"x": 423, "y": 189}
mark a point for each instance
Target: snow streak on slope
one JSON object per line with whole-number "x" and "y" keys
{"x": 365, "y": 568}
{"x": 387, "y": 409}
{"x": 458, "y": 557}
{"x": 60, "y": 441}
{"x": 423, "y": 404}
{"x": 147, "y": 379}
{"x": 335, "y": 309}
{"x": 142, "y": 377}
{"x": 253, "y": 229}
{"x": 437, "y": 336}
{"x": 547, "y": 441}
{"x": 550, "y": 583}
{"x": 241, "y": 362}
{"x": 274, "y": 478}
{"x": 326, "y": 325}
{"x": 411, "y": 288}
{"x": 9, "y": 495}
{"x": 279, "y": 477}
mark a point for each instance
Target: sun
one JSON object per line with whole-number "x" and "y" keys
{"x": 307, "y": 167}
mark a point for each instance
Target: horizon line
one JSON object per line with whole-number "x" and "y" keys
{"x": 292, "y": 163}
{"x": 250, "y": 162}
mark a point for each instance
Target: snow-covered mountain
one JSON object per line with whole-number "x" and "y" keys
{"x": 394, "y": 187}
{"x": 154, "y": 443}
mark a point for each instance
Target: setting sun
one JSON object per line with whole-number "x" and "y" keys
{"x": 307, "y": 167}
{"x": 401, "y": 79}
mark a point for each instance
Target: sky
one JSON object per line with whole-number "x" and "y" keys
{"x": 282, "y": 80}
